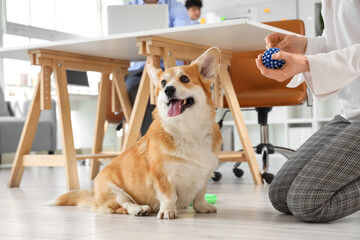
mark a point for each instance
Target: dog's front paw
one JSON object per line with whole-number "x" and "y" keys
{"x": 205, "y": 208}
{"x": 167, "y": 214}
{"x": 139, "y": 210}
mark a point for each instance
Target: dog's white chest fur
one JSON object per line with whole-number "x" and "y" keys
{"x": 190, "y": 176}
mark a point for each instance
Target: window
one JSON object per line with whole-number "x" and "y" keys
{"x": 14, "y": 41}
{"x": 42, "y": 14}
{"x": 17, "y": 11}
{"x": 78, "y": 17}
{"x": 40, "y": 21}
{"x": 20, "y": 79}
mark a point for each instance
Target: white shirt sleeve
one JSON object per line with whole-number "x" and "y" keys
{"x": 329, "y": 72}
{"x": 314, "y": 45}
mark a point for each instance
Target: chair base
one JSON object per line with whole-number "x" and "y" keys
{"x": 264, "y": 148}
{"x": 259, "y": 149}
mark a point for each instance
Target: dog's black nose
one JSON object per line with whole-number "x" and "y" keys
{"x": 169, "y": 91}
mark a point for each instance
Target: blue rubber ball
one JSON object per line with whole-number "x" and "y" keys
{"x": 272, "y": 63}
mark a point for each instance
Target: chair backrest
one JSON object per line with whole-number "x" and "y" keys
{"x": 255, "y": 90}
{"x": 295, "y": 26}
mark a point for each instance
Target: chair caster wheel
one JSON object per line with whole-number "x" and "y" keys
{"x": 216, "y": 177}
{"x": 238, "y": 172}
{"x": 268, "y": 177}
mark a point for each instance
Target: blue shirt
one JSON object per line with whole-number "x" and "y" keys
{"x": 178, "y": 17}
{"x": 194, "y": 22}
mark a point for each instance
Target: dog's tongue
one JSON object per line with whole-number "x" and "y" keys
{"x": 175, "y": 108}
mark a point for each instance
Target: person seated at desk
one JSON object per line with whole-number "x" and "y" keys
{"x": 194, "y": 10}
{"x": 321, "y": 181}
{"x": 177, "y": 17}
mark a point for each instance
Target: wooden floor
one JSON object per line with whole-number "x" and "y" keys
{"x": 244, "y": 212}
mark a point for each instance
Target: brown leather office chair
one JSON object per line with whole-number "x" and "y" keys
{"x": 256, "y": 91}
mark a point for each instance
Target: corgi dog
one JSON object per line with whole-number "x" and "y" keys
{"x": 170, "y": 165}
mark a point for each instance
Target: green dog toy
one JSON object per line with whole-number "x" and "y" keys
{"x": 210, "y": 198}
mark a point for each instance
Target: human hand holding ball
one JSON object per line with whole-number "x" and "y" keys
{"x": 292, "y": 54}
{"x": 281, "y": 65}
{"x": 269, "y": 62}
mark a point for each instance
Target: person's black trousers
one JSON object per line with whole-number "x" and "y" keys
{"x": 132, "y": 81}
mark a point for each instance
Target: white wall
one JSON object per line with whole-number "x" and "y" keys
{"x": 253, "y": 9}
{"x": 307, "y": 12}
{"x": 83, "y": 115}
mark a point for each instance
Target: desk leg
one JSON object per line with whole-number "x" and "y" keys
{"x": 100, "y": 122}
{"x": 66, "y": 128}
{"x": 27, "y": 138}
{"x": 122, "y": 94}
{"x": 240, "y": 125}
{"x": 168, "y": 55}
{"x": 137, "y": 115}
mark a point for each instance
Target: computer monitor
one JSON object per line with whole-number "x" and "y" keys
{"x": 78, "y": 78}
{"x": 134, "y": 18}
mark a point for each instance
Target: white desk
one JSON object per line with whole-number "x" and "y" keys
{"x": 235, "y": 35}
{"x": 111, "y": 54}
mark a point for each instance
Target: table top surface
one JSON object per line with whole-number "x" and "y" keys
{"x": 235, "y": 35}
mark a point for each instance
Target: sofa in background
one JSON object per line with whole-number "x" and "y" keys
{"x": 12, "y": 120}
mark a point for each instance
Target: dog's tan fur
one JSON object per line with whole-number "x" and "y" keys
{"x": 169, "y": 167}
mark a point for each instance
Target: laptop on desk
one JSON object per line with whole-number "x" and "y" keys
{"x": 78, "y": 83}
{"x": 135, "y": 18}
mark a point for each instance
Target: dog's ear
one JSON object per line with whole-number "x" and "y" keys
{"x": 153, "y": 73}
{"x": 209, "y": 63}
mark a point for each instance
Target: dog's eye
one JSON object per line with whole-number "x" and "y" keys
{"x": 163, "y": 83}
{"x": 184, "y": 79}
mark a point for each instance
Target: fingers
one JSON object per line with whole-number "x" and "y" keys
{"x": 270, "y": 40}
{"x": 284, "y": 43}
{"x": 273, "y": 39}
{"x": 269, "y": 45}
{"x": 260, "y": 66}
{"x": 279, "y": 40}
{"x": 280, "y": 55}
{"x": 269, "y": 73}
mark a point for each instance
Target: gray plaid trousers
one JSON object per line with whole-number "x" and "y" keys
{"x": 321, "y": 181}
